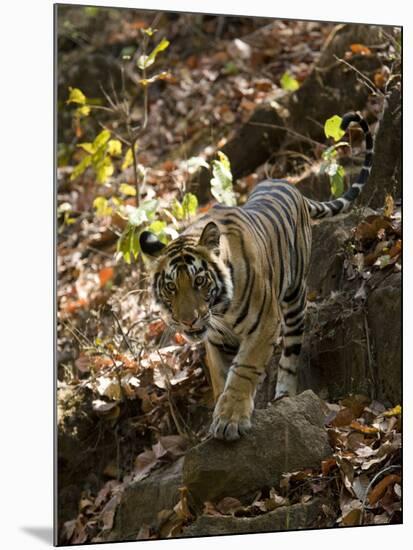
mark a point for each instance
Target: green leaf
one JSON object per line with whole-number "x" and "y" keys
{"x": 128, "y": 243}
{"x": 127, "y": 189}
{"x": 136, "y": 216}
{"x": 127, "y": 52}
{"x": 101, "y": 139}
{"x": 102, "y": 207}
{"x": 149, "y": 207}
{"x": 81, "y": 167}
{"x": 134, "y": 243}
{"x": 76, "y": 96}
{"x": 332, "y": 128}
{"x": 157, "y": 227}
{"x": 221, "y": 183}
{"x": 230, "y": 68}
{"x": 189, "y": 205}
{"x": 288, "y": 82}
{"x": 114, "y": 147}
{"x": 146, "y": 61}
{"x": 337, "y": 182}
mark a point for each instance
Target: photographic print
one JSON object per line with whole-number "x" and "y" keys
{"x": 228, "y": 274}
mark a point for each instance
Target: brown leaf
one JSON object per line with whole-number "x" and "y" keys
{"x": 327, "y": 465}
{"x": 362, "y": 428}
{"x": 360, "y": 49}
{"x": 228, "y": 505}
{"x": 352, "y": 518}
{"x": 378, "y": 491}
{"x": 171, "y": 445}
{"x": 182, "y": 509}
{"x": 210, "y": 510}
{"x": 381, "y": 76}
{"x": 346, "y": 472}
{"x": 369, "y": 228}
{"x": 343, "y": 417}
{"x": 357, "y": 403}
{"x": 107, "y": 515}
{"x": 105, "y": 275}
{"x": 144, "y": 463}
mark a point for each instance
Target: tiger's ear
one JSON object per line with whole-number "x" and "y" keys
{"x": 150, "y": 244}
{"x": 210, "y": 237}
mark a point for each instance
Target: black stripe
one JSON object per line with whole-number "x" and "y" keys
{"x": 294, "y": 349}
{"x": 259, "y": 316}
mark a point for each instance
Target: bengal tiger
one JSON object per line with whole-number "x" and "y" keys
{"x": 235, "y": 277}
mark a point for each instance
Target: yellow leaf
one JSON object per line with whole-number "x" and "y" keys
{"x": 395, "y": 411}
{"x": 114, "y": 147}
{"x": 388, "y": 206}
{"x": 332, "y": 128}
{"x": 102, "y": 207}
{"x": 127, "y": 189}
{"x": 289, "y": 83}
{"x": 104, "y": 170}
{"x": 88, "y": 147}
{"x": 76, "y": 96}
{"x": 83, "y": 111}
{"x": 128, "y": 159}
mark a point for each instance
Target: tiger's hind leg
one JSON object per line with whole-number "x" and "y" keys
{"x": 293, "y": 308}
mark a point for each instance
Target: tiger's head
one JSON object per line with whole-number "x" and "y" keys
{"x": 191, "y": 281}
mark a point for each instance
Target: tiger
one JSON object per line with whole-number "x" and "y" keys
{"x": 236, "y": 279}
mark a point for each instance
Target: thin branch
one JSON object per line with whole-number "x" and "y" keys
{"x": 292, "y": 132}
{"x": 366, "y": 80}
{"x": 124, "y": 336}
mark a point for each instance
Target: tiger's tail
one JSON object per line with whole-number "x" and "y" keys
{"x": 332, "y": 208}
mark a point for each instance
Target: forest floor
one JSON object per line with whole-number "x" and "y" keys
{"x": 132, "y": 397}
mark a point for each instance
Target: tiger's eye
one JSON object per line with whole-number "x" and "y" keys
{"x": 199, "y": 280}
{"x": 171, "y": 287}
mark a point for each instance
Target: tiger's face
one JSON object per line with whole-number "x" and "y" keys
{"x": 190, "y": 281}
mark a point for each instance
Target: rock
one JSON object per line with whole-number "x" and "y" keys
{"x": 326, "y": 273}
{"x": 297, "y": 516}
{"x": 287, "y": 436}
{"x": 355, "y": 347}
{"x": 384, "y": 317}
{"x": 386, "y": 171}
{"x": 334, "y": 360}
{"x": 142, "y": 501}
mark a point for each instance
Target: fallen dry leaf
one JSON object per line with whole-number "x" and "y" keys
{"x": 378, "y": 491}
{"x": 360, "y": 49}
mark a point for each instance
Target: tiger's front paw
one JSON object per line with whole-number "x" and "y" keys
{"x": 232, "y": 416}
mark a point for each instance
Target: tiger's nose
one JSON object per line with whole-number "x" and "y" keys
{"x": 190, "y": 322}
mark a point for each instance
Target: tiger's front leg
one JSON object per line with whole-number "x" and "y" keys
{"x": 233, "y": 410}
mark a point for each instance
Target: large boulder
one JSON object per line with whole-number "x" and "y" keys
{"x": 285, "y": 518}
{"x": 286, "y": 436}
{"x": 143, "y": 500}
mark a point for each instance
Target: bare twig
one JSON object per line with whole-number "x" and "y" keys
{"x": 124, "y": 336}
{"x": 292, "y": 132}
{"x": 366, "y": 80}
